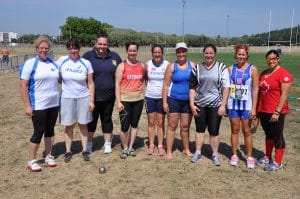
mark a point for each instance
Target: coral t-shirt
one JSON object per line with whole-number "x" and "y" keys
{"x": 270, "y": 90}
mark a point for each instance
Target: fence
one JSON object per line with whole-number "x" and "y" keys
{"x": 16, "y": 61}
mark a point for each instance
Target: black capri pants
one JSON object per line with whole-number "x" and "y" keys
{"x": 43, "y": 124}
{"x": 208, "y": 117}
{"x": 273, "y": 130}
{"x": 131, "y": 114}
{"x": 105, "y": 110}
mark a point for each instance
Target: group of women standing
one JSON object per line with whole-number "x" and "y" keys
{"x": 178, "y": 90}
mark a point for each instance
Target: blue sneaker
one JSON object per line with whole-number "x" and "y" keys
{"x": 263, "y": 161}
{"x": 273, "y": 167}
{"x": 216, "y": 160}
{"x": 196, "y": 157}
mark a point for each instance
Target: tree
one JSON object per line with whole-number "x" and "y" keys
{"x": 85, "y": 30}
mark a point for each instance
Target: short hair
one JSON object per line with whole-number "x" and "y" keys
{"x": 157, "y": 46}
{"x": 275, "y": 52}
{"x": 241, "y": 46}
{"x": 40, "y": 40}
{"x": 73, "y": 43}
{"x": 131, "y": 43}
{"x": 210, "y": 46}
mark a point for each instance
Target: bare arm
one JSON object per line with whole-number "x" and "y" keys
{"x": 91, "y": 86}
{"x": 167, "y": 82}
{"x": 119, "y": 73}
{"x": 285, "y": 88}
{"x": 25, "y": 96}
{"x": 255, "y": 88}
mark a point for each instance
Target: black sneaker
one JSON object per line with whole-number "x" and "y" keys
{"x": 68, "y": 157}
{"x": 86, "y": 156}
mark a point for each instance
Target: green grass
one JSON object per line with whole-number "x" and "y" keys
{"x": 291, "y": 62}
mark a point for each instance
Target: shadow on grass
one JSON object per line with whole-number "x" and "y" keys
{"x": 98, "y": 142}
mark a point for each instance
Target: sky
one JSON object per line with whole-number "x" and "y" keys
{"x": 202, "y": 17}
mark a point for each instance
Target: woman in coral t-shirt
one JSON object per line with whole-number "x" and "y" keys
{"x": 274, "y": 86}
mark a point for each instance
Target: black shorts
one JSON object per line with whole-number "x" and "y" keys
{"x": 179, "y": 106}
{"x": 208, "y": 116}
{"x": 105, "y": 110}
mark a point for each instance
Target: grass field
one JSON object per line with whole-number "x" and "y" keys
{"x": 143, "y": 176}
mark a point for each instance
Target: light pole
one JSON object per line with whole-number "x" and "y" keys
{"x": 227, "y": 26}
{"x": 183, "y": 4}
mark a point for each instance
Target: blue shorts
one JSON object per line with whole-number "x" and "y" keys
{"x": 179, "y": 106}
{"x": 153, "y": 105}
{"x": 243, "y": 114}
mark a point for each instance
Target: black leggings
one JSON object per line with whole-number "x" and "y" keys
{"x": 273, "y": 130}
{"x": 208, "y": 117}
{"x": 131, "y": 114}
{"x": 105, "y": 110}
{"x": 43, "y": 124}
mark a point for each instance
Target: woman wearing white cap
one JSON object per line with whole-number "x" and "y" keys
{"x": 176, "y": 99}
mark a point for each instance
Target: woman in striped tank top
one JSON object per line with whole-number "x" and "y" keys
{"x": 242, "y": 101}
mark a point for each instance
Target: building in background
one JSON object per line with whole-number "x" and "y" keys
{"x": 6, "y": 37}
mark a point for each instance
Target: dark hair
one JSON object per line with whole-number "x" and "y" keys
{"x": 103, "y": 35}
{"x": 157, "y": 46}
{"x": 210, "y": 46}
{"x": 73, "y": 43}
{"x": 131, "y": 43}
{"x": 275, "y": 52}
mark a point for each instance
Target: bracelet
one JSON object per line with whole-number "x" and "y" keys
{"x": 276, "y": 111}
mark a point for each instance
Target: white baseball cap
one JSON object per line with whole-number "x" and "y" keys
{"x": 180, "y": 45}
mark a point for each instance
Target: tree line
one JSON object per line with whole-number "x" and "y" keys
{"x": 86, "y": 31}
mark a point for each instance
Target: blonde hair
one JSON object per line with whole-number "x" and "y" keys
{"x": 40, "y": 40}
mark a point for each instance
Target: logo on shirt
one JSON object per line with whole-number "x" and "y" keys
{"x": 264, "y": 87}
{"x": 53, "y": 69}
{"x": 286, "y": 79}
{"x": 114, "y": 62}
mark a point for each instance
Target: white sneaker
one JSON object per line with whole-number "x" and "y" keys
{"x": 89, "y": 147}
{"x": 49, "y": 160}
{"x": 107, "y": 147}
{"x": 33, "y": 166}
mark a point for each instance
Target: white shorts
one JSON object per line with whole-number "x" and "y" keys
{"x": 74, "y": 110}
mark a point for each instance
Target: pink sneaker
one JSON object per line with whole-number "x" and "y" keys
{"x": 151, "y": 149}
{"x": 234, "y": 160}
{"x": 250, "y": 163}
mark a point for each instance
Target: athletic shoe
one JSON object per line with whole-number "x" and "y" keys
{"x": 49, "y": 160}
{"x": 124, "y": 154}
{"x": 273, "y": 167}
{"x": 161, "y": 150}
{"x": 196, "y": 157}
{"x": 107, "y": 147}
{"x": 250, "y": 163}
{"x": 89, "y": 147}
{"x": 86, "y": 156}
{"x": 33, "y": 166}
{"x": 151, "y": 149}
{"x": 263, "y": 161}
{"x": 68, "y": 157}
{"x": 132, "y": 152}
{"x": 234, "y": 160}
{"x": 216, "y": 160}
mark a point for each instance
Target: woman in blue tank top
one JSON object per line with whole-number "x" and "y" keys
{"x": 176, "y": 99}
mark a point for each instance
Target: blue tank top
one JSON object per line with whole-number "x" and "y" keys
{"x": 179, "y": 88}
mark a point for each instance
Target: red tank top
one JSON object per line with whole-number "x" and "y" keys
{"x": 132, "y": 82}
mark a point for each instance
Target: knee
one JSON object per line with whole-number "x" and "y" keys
{"x": 185, "y": 127}
{"x": 172, "y": 127}
{"x": 36, "y": 137}
{"x": 235, "y": 131}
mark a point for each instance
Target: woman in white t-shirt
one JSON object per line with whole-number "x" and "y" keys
{"x": 39, "y": 90}
{"x": 156, "y": 68}
{"x": 77, "y": 98}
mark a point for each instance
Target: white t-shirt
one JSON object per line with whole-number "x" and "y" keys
{"x": 74, "y": 74}
{"x": 155, "y": 79}
{"x": 42, "y": 77}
